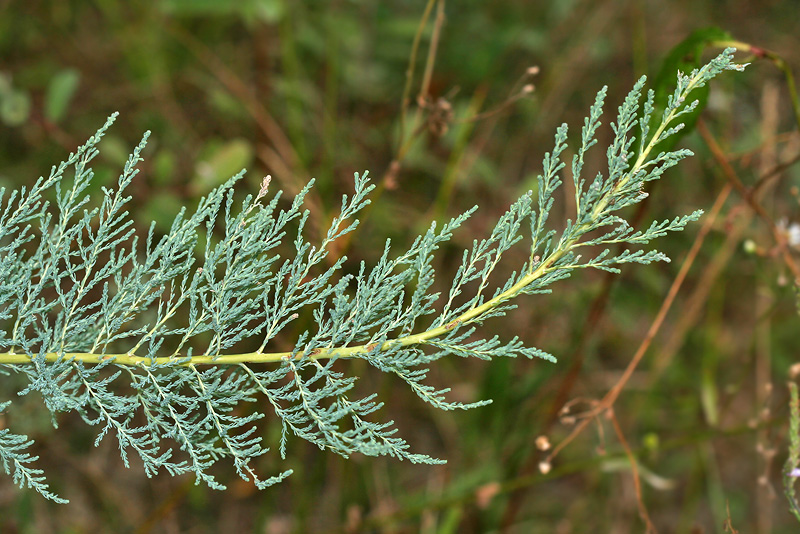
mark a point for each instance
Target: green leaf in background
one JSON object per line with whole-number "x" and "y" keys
{"x": 226, "y": 104}
{"x": 161, "y": 209}
{"x": 266, "y": 10}
{"x": 114, "y": 149}
{"x": 164, "y": 165}
{"x": 200, "y": 7}
{"x": 5, "y": 84}
{"x": 684, "y": 57}
{"x": 220, "y": 163}
{"x": 15, "y": 107}
{"x": 59, "y": 94}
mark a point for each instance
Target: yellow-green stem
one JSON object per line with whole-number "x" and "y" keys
{"x": 357, "y": 350}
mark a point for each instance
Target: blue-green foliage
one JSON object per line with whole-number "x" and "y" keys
{"x": 99, "y": 325}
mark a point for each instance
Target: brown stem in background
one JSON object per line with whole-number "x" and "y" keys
{"x": 425, "y": 87}
{"x": 747, "y": 195}
{"x": 637, "y": 483}
{"x": 597, "y": 309}
{"x": 412, "y": 59}
{"x": 610, "y": 398}
{"x": 778, "y": 61}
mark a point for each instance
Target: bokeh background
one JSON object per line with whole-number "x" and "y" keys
{"x": 320, "y": 89}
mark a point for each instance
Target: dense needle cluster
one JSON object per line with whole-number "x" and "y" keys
{"x": 97, "y": 324}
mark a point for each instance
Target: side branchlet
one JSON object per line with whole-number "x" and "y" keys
{"x": 129, "y": 362}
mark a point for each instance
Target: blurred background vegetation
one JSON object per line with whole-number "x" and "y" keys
{"x": 321, "y": 89}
